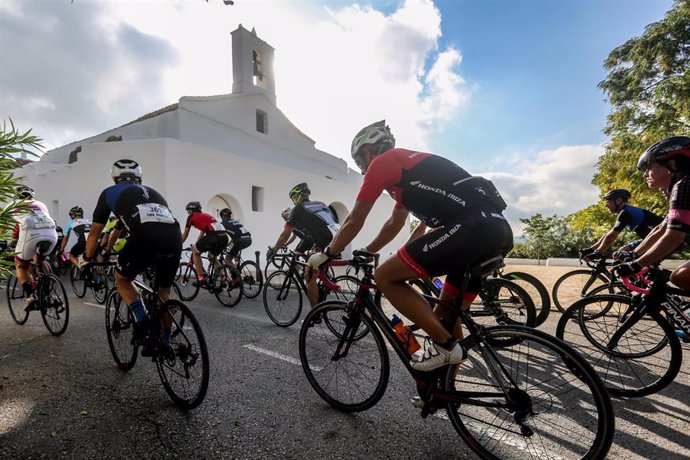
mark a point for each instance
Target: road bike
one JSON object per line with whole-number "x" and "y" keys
{"x": 631, "y": 340}
{"x": 97, "y": 280}
{"x": 519, "y": 392}
{"x": 250, "y": 273}
{"x": 222, "y": 280}
{"x": 183, "y": 369}
{"x": 284, "y": 289}
{"x": 579, "y": 283}
{"x": 51, "y": 301}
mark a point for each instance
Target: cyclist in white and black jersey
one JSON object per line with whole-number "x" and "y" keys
{"x": 80, "y": 227}
{"x": 239, "y": 235}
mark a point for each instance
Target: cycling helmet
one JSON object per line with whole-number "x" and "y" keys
{"x": 376, "y": 133}
{"x": 126, "y": 171}
{"x": 298, "y": 191}
{"x": 24, "y": 192}
{"x": 77, "y": 211}
{"x": 225, "y": 213}
{"x": 193, "y": 206}
{"x": 617, "y": 193}
{"x": 665, "y": 150}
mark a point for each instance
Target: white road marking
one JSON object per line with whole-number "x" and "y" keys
{"x": 102, "y": 307}
{"x": 274, "y": 354}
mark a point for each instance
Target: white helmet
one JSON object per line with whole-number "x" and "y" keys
{"x": 375, "y": 133}
{"x": 126, "y": 170}
{"x": 24, "y": 192}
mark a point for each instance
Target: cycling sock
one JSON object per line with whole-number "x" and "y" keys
{"x": 167, "y": 335}
{"x": 138, "y": 309}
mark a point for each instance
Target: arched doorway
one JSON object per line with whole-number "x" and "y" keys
{"x": 223, "y": 200}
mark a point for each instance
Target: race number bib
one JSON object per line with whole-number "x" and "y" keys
{"x": 42, "y": 220}
{"x": 334, "y": 228}
{"x": 152, "y": 212}
{"x": 217, "y": 227}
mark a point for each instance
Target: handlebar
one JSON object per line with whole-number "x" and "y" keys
{"x": 640, "y": 276}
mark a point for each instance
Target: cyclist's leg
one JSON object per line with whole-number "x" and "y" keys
{"x": 166, "y": 268}
{"x": 130, "y": 263}
{"x": 77, "y": 250}
{"x": 681, "y": 276}
{"x": 310, "y": 277}
{"x": 198, "y": 266}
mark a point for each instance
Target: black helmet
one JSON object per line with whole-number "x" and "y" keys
{"x": 77, "y": 211}
{"x": 126, "y": 171}
{"x": 24, "y": 192}
{"x": 193, "y": 206}
{"x": 225, "y": 213}
{"x": 617, "y": 193}
{"x": 665, "y": 150}
{"x": 299, "y": 191}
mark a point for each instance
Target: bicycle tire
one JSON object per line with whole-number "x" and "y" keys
{"x": 252, "y": 279}
{"x": 563, "y": 405}
{"x": 352, "y": 382}
{"x": 227, "y": 286}
{"x": 571, "y": 287}
{"x": 185, "y": 375}
{"x": 282, "y": 298}
{"x": 647, "y": 357}
{"x": 78, "y": 280}
{"x": 501, "y": 301}
{"x": 337, "y": 327}
{"x": 15, "y": 300}
{"x": 185, "y": 278}
{"x": 53, "y": 304}
{"x": 536, "y": 290}
{"x": 119, "y": 327}
{"x": 100, "y": 293}
{"x": 348, "y": 288}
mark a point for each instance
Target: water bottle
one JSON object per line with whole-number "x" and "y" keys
{"x": 438, "y": 283}
{"x": 404, "y": 335}
{"x": 682, "y": 335}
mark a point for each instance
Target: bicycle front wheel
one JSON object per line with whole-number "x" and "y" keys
{"x": 525, "y": 391}
{"x": 282, "y": 299}
{"x": 78, "y": 279}
{"x": 227, "y": 286}
{"x": 185, "y": 279}
{"x": 503, "y": 302}
{"x": 54, "y": 304}
{"x": 350, "y": 374}
{"x": 574, "y": 285}
{"x": 252, "y": 278}
{"x": 185, "y": 373}
{"x": 15, "y": 300}
{"x": 119, "y": 327}
{"x": 635, "y": 356}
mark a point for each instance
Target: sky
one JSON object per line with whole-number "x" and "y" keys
{"x": 505, "y": 88}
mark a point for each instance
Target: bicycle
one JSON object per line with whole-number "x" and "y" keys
{"x": 222, "y": 280}
{"x": 581, "y": 282}
{"x": 283, "y": 290}
{"x": 250, "y": 272}
{"x": 51, "y": 301}
{"x": 631, "y": 340}
{"x": 519, "y": 389}
{"x": 96, "y": 279}
{"x": 184, "y": 373}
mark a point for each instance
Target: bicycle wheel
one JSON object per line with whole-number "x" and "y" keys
{"x": 100, "y": 285}
{"x": 15, "y": 300}
{"x": 78, "y": 279}
{"x": 503, "y": 302}
{"x": 350, "y": 375}
{"x": 536, "y": 290}
{"x": 282, "y": 298}
{"x": 574, "y": 285}
{"x": 645, "y": 358}
{"x": 252, "y": 278}
{"x": 338, "y": 327}
{"x": 54, "y": 304}
{"x": 184, "y": 374}
{"x": 185, "y": 278}
{"x": 348, "y": 288}
{"x": 119, "y": 327}
{"x": 227, "y": 286}
{"x": 529, "y": 393}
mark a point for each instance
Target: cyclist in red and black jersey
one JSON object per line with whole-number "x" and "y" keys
{"x": 314, "y": 222}
{"x": 465, "y": 212}
{"x": 212, "y": 237}
{"x": 666, "y": 165}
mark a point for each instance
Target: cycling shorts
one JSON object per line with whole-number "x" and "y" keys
{"x": 305, "y": 245}
{"x": 214, "y": 242}
{"x": 29, "y": 240}
{"x": 155, "y": 245}
{"x": 78, "y": 248}
{"x": 239, "y": 244}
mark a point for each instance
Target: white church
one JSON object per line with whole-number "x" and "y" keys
{"x": 234, "y": 150}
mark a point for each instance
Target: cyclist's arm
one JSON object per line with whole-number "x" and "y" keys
{"x": 389, "y": 230}
{"x": 282, "y": 238}
{"x": 185, "y": 234}
{"x": 665, "y": 246}
{"x": 649, "y": 240}
{"x": 606, "y": 241}
{"x": 351, "y": 227}
{"x": 290, "y": 240}
{"x": 92, "y": 240}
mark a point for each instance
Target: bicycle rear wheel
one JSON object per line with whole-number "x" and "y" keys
{"x": 536, "y": 290}
{"x": 54, "y": 304}
{"x": 574, "y": 285}
{"x": 119, "y": 327}
{"x": 645, "y": 358}
{"x": 556, "y": 405}
{"x": 252, "y": 278}
{"x": 15, "y": 300}
{"x": 348, "y": 373}
{"x": 282, "y": 298}
{"x": 227, "y": 286}
{"x": 185, "y": 374}
{"x": 78, "y": 279}
{"x": 503, "y": 302}
{"x": 185, "y": 278}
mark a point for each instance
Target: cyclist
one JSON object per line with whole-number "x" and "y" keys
{"x": 154, "y": 240}
{"x": 317, "y": 225}
{"x": 34, "y": 229}
{"x": 666, "y": 165}
{"x": 238, "y": 233}
{"x": 633, "y": 218}
{"x": 118, "y": 235}
{"x": 80, "y": 227}
{"x": 465, "y": 212}
{"x": 212, "y": 237}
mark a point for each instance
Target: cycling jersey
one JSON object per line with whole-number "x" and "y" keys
{"x": 315, "y": 221}
{"x": 235, "y": 229}
{"x": 34, "y": 227}
{"x": 80, "y": 227}
{"x": 678, "y": 217}
{"x": 636, "y": 220}
{"x": 430, "y": 187}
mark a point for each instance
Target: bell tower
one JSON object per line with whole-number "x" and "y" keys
{"x": 252, "y": 64}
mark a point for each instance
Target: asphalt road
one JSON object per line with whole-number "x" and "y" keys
{"x": 63, "y": 397}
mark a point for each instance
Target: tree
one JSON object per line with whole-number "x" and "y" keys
{"x": 550, "y": 237}
{"x": 12, "y": 143}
